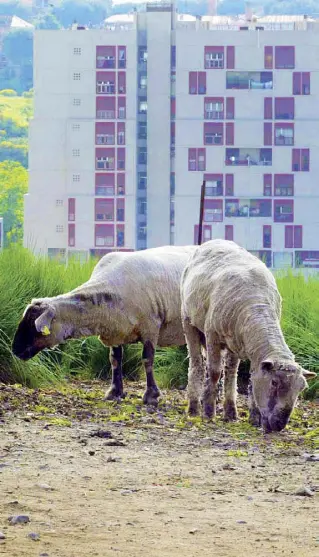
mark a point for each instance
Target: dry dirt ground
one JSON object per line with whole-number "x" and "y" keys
{"x": 103, "y": 479}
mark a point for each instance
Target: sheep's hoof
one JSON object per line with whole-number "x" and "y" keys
{"x": 114, "y": 394}
{"x": 255, "y": 417}
{"x": 193, "y": 408}
{"x": 150, "y": 397}
{"x": 230, "y": 412}
{"x": 209, "y": 411}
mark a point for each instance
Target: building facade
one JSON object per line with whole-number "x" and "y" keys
{"x": 130, "y": 119}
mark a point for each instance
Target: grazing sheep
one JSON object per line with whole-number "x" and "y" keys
{"x": 130, "y": 297}
{"x": 230, "y": 296}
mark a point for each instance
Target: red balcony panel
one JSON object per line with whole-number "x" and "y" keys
{"x": 267, "y": 185}
{"x": 213, "y": 133}
{"x": 213, "y": 210}
{"x": 104, "y": 183}
{"x": 120, "y": 183}
{"x": 104, "y": 235}
{"x": 105, "y": 108}
{"x": 268, "y": 108}
{"x": 296, "y": 83}
{"x": 284, "y": 210}
{"x": 284, "y": 185}
{"x": 284, "y": 108}
{"x": 267, "y": 133}
{"x": 214, "y": 57}
{"x": 104, "y": 209}
{"x": 229, "y": 184}
{"x": 305, "y": 83}
{"x": 105, "y": 158}
{"x": 230, "y": 54}
{"x": 106, "y": 83}
{"x": 214, "y": 185}
{"x": 71, "y": 235}
{"x": 269, "y": 57}
{"x": 284, "y": 57}
{"x": 71, "y": 209}
{"x": 105, "y": 133}
{"x": 192, "y": 159}
{"x": 192, "y": 83}
{"x": 305, "y": 160}
{"x": 121, "y": 83}
{"x": 230, "y": 108}
{"x": 105, "y": 56}
{"x": 229, "y": 232}
{"x": 201, "y": 83}
{"x": 230, "y": 133}
{"x": 173, "y": 108}
{"x": 289, "y": 236}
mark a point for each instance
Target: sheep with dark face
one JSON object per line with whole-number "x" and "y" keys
{"x": 230, "y": 296}
{"x": 130, "y": 297}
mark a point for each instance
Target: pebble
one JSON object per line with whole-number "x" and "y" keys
{"x": 46, "y": 487}
{"x": 193, "y": 531}
{"x": 91, "y": 453}
{"x": 311, "y": 457}
{"x": 241, "y": 521}
{"x": 19, "y": 519}
{"x": 304, "y": 492}
{"x": 33, "y": 536}
{"x": 2, "y": 536}
{"x": 113, "y": 459}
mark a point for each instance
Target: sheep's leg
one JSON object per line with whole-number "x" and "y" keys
{"x": 213, "y": 372}
{"x": 254, "y": 414}
{"x": 196, "y": 367}
{"x": 152, "y": 391}
{"x": 231, "y": 363}
{"x": 115, "y": 391}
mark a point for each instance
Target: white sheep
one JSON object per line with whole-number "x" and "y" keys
{"x": 130, "y": 297}
{"x": 230, "y": 296}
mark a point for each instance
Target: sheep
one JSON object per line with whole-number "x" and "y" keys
{"x": 229, "y": 295}
{"x": 130, "y": 297}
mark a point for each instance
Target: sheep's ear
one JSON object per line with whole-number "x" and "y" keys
{"x": 43, "y": 322}
{"x": 267, "y": 366}
{"x": 308, "y": 374}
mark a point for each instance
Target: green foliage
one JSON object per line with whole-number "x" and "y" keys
{"x": 81, "y": 11}
{"x": 47, "y": 21}
{"x": 18, "y": 46}
{"x": 8, "y": 93}
{"x": 15, "y": 113}
{"x": 13, "y": 185}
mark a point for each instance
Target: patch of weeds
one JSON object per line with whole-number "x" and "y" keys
{"x": 237, "y": 453}
{"x": 42, "y": 409}
{"x": 60, "y": 422}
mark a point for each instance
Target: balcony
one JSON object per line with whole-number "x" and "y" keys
{"x": 104, "y": 241}
{"x": 103, "y": 88}
{"x": 213, "y": 139}
{"x": 104, "y": 216}
{"x": 104, "y": 190}
{"x": 248, "y": 157}
{"x": 105, "y": 164}
{"x": 105, "y": 139}
{"x": 105, "y": 62}
{"x": 248, "y": 208}
{"x": 105, "y": 114}
{"x": 249, "y": 80}
{"x": 214, "y": 114}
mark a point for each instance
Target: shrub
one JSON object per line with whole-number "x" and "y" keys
{"x": 8, "y": 93}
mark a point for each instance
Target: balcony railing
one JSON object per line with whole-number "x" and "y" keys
{"x": 71, "y": 216}
{"x": 234, "y": 161}
{"x": 213, "y": 139}
{"x": 104, "y": 216}
{"x": 104, "y": 241}
{"x": 103, "y": 62}
{"x": 284, "y": 140}
{"x": 105, "y": 114}
{"x": 105, "y": 139}
{"x": 214, "y": 115}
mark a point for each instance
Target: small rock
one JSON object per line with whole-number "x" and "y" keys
{"x": 33, "y": 536}
{"x": 115, "y": 443}
{"x": 126, "y": 491}
{"x": 44, "y": 555}
{"x": 46, "y": 487}
{"x": 113, "y": 459}
{"x": 229, "y": 467}
{"x": 2, "y": 536}
{"x": 193, "y": 531}
{"x": 91, "y": 453}
{"x": 311, "y": 457}
{"x": 19, "y": 519}
{"x": 103, "y": 434}
{"x": 304, "y": 492}
{"x": 241, "y": 521}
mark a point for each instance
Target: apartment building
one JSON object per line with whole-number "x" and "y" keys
{"x": 129, "y": 119}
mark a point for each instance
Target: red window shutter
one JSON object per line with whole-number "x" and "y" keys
{"x": 192, "y": 83}
{"x": 297, "y": 236}
{"x": 267, "y": 185}
{"x": 305, "y": 83}
{"x": 192, "y": 159}
{"x": 229, "y": 232}
{"x": 201, "y": 83}
{"x": 295, "y": 165}
{"x": 268, "y": 57}
{"x": 71, "y": 238}
{"x": 284, "y": 108}
{"x": 289, "y": 236}
{"x": 267, "y": 133}
{"x": 121, "y": 83}
{"x": 106, "y": 180}
{"x": 267, "y": 236}
{"x": 230, "y": 133}
{"x": 229, "y": 184}
{"x": 296, "y": 83}
{"x": 268, "y": 108}
{"x": 230, "y": 108}
{"x": 71, "y": 208}
{"x": 230, "y": 53}
{"x": 305, "y": 160}
{"x": 284, "y": 57}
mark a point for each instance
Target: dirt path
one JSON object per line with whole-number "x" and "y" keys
{"x": 155, "y": 485}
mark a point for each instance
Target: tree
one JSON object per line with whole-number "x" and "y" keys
{"x": 83, "y": 11}
{"x": 47, "y": 21}
{"x": 18, "y": 46}
{"x": 13, "y": 186}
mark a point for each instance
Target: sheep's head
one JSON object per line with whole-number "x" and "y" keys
{"x": 276, "y": 386}
{"x": 38, "y": 329}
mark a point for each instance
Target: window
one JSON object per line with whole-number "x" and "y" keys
{"x": 267, "y": 133}
{"x": 267, "y": 185}
{"x": 196, "y": 159}
{"x": 172, "y": 183}
{"x": 214, "y": 57}
{"x": 142, "y": 130}
{"x": 293, "y": 236}
{"x": 59, "y": 202}
{"x": 143, "y": 81}
{"x": 142, "y": 107}
{"x": 104, "y": 209}
{"x": 105, "y": 107}
{"x": 76, "y": 76}
{"x": 263, "y": 255}
{"x": 121, "y": 159}
{"x": 142, "y": 207}
{"x": 142, "y": 155}
{"x": 192, "y": 83}
{"x": 142, "y": 181}
{"x": 229, "y": 184}
{"x": 104, "y": 184}
{"x": 197, "y": 83}
{"x": 213, "y": 210}
{"x": 230, "y": 108}
{"x": 284, "y": 210}
{"x": 206, "y": 233}
{"x": 283, "y": 259}
{"x": 142, "y": 54}
{"x": 284, "y": 134}
{"x": 267, "y": 236}
{"x": 284, "y": 185}
{"x": 76, "y": 102}
{"x": 248, "y": 208}
{"x": 121, "y": 83}
{"x": 75, "y": 152}
{"x": 173, "y": 108}
{"x": 120, "y": 184}
{"x": 104, "y": 235}
{"x": 229, "y": 232}
{"x": 71, "y": 209}
{"x": 284, "y": 108}
{"x": 59, "y": 228}
{"x": 120, "y": 210}
{"x": 121, "y": 133}
{"x": 268, "y": 108}
{"x": 105, "y": 87}
{"x": 105, "y": 159}
{"x": 300, "y": 160}
{"x": 301, "y": 83}
{"x": 77, "y": 51}
{"x": 76, "y": 127}
{"x": 249, "y": 80}
{"x": 105, "y": 133}
{"x": 248, "y": 157}
{"x": 173, "y": 57}
{"x": 76, "y": 178}
{"x": 213, "y": 134}
{"x": 284, "y": 57}
{"x": 120, "y": 237}
{"x": 214, "y": 108}
{"x": 268, "y": 57}
{"x": 229, "y": 133}
{"x": 105, "y": 56}
{"x": 57, "y": 254}
{"x": 214, "y": 185}
{"x": 307, "y": 259}
{"x": 121, "y": 55}
{"x": 121, "y": 108}
{"x": 230, "y": 54}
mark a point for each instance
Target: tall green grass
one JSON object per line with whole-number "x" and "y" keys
{"x": 24, "y": 276}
